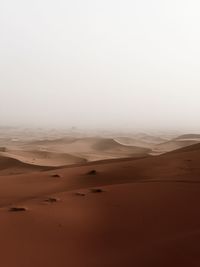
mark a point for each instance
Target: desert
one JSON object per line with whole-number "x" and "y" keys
{"x": 99, "y": 133}
{"x": 133, "y": 208}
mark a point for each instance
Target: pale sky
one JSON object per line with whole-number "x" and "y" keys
{"x": 108, "y": 63}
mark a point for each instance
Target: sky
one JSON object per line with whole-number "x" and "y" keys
{"x": 100, "y": 64}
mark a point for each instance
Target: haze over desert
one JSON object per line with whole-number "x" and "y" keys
{"x": 99, "y": 133}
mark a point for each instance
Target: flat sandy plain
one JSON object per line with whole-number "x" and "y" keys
{"x": 77, "y": 200}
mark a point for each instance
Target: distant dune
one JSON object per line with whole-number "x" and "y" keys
{"x": 70, "y": 150}
{"x": 149, "y": 138}
{"x": 114, "y": 146}
{"x": 66, "y": 151}
{"x": 177, "y": 143}
{"x": 191, "y": 148}
{"x": 189, "y": 136}
{"x": 135, "y": 142}
{"x": 46, "y": 142}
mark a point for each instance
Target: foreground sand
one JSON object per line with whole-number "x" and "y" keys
{"x": 146, "y": 215}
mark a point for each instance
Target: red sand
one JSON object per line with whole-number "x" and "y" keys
{"x": 147, "y": 215}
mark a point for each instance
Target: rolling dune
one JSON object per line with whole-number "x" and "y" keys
{"x": 177, "y": 143}
{"x": 128, "y": 141}
{"x": 67, "y": 151}
{"x": 126, "y": 212}
{"x": 189, "y": 136}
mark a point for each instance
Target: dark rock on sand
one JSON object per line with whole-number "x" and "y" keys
{"x": 96, "y": 190}
{"x": 51, "y": 200}
{"x": 79, "y": 194}
{"x": 56, "y": 175}
{"x": 17, "y": 209}
{"x": 92, "y": 172}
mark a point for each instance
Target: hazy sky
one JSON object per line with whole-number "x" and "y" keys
{"x": 108, "y": 63}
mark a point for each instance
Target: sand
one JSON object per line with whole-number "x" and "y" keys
{"x": 67, "y": 151}
{"x": 140, "y": 211}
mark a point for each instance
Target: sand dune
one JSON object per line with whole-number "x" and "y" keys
{"x": 44, "y": 158}
{"x": 12, "y": 166}
{"x": 130, "y": 212}
{"x": 173, "y": 145}
{"x": 155, "y": 143}
{"x": 114, "y": 146}
{"x": 128, "y": 141}
{"x": 84, "y": 144}
{"x": 189, "y": 136}
{"x": 177, "y": 143}
{"x": 47, "y": 142}
{"x": 192, "y": 148}
{"x": 150, "y": 138}
{"x": 67, "y": 151}
{"x": 180, "y": 165}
